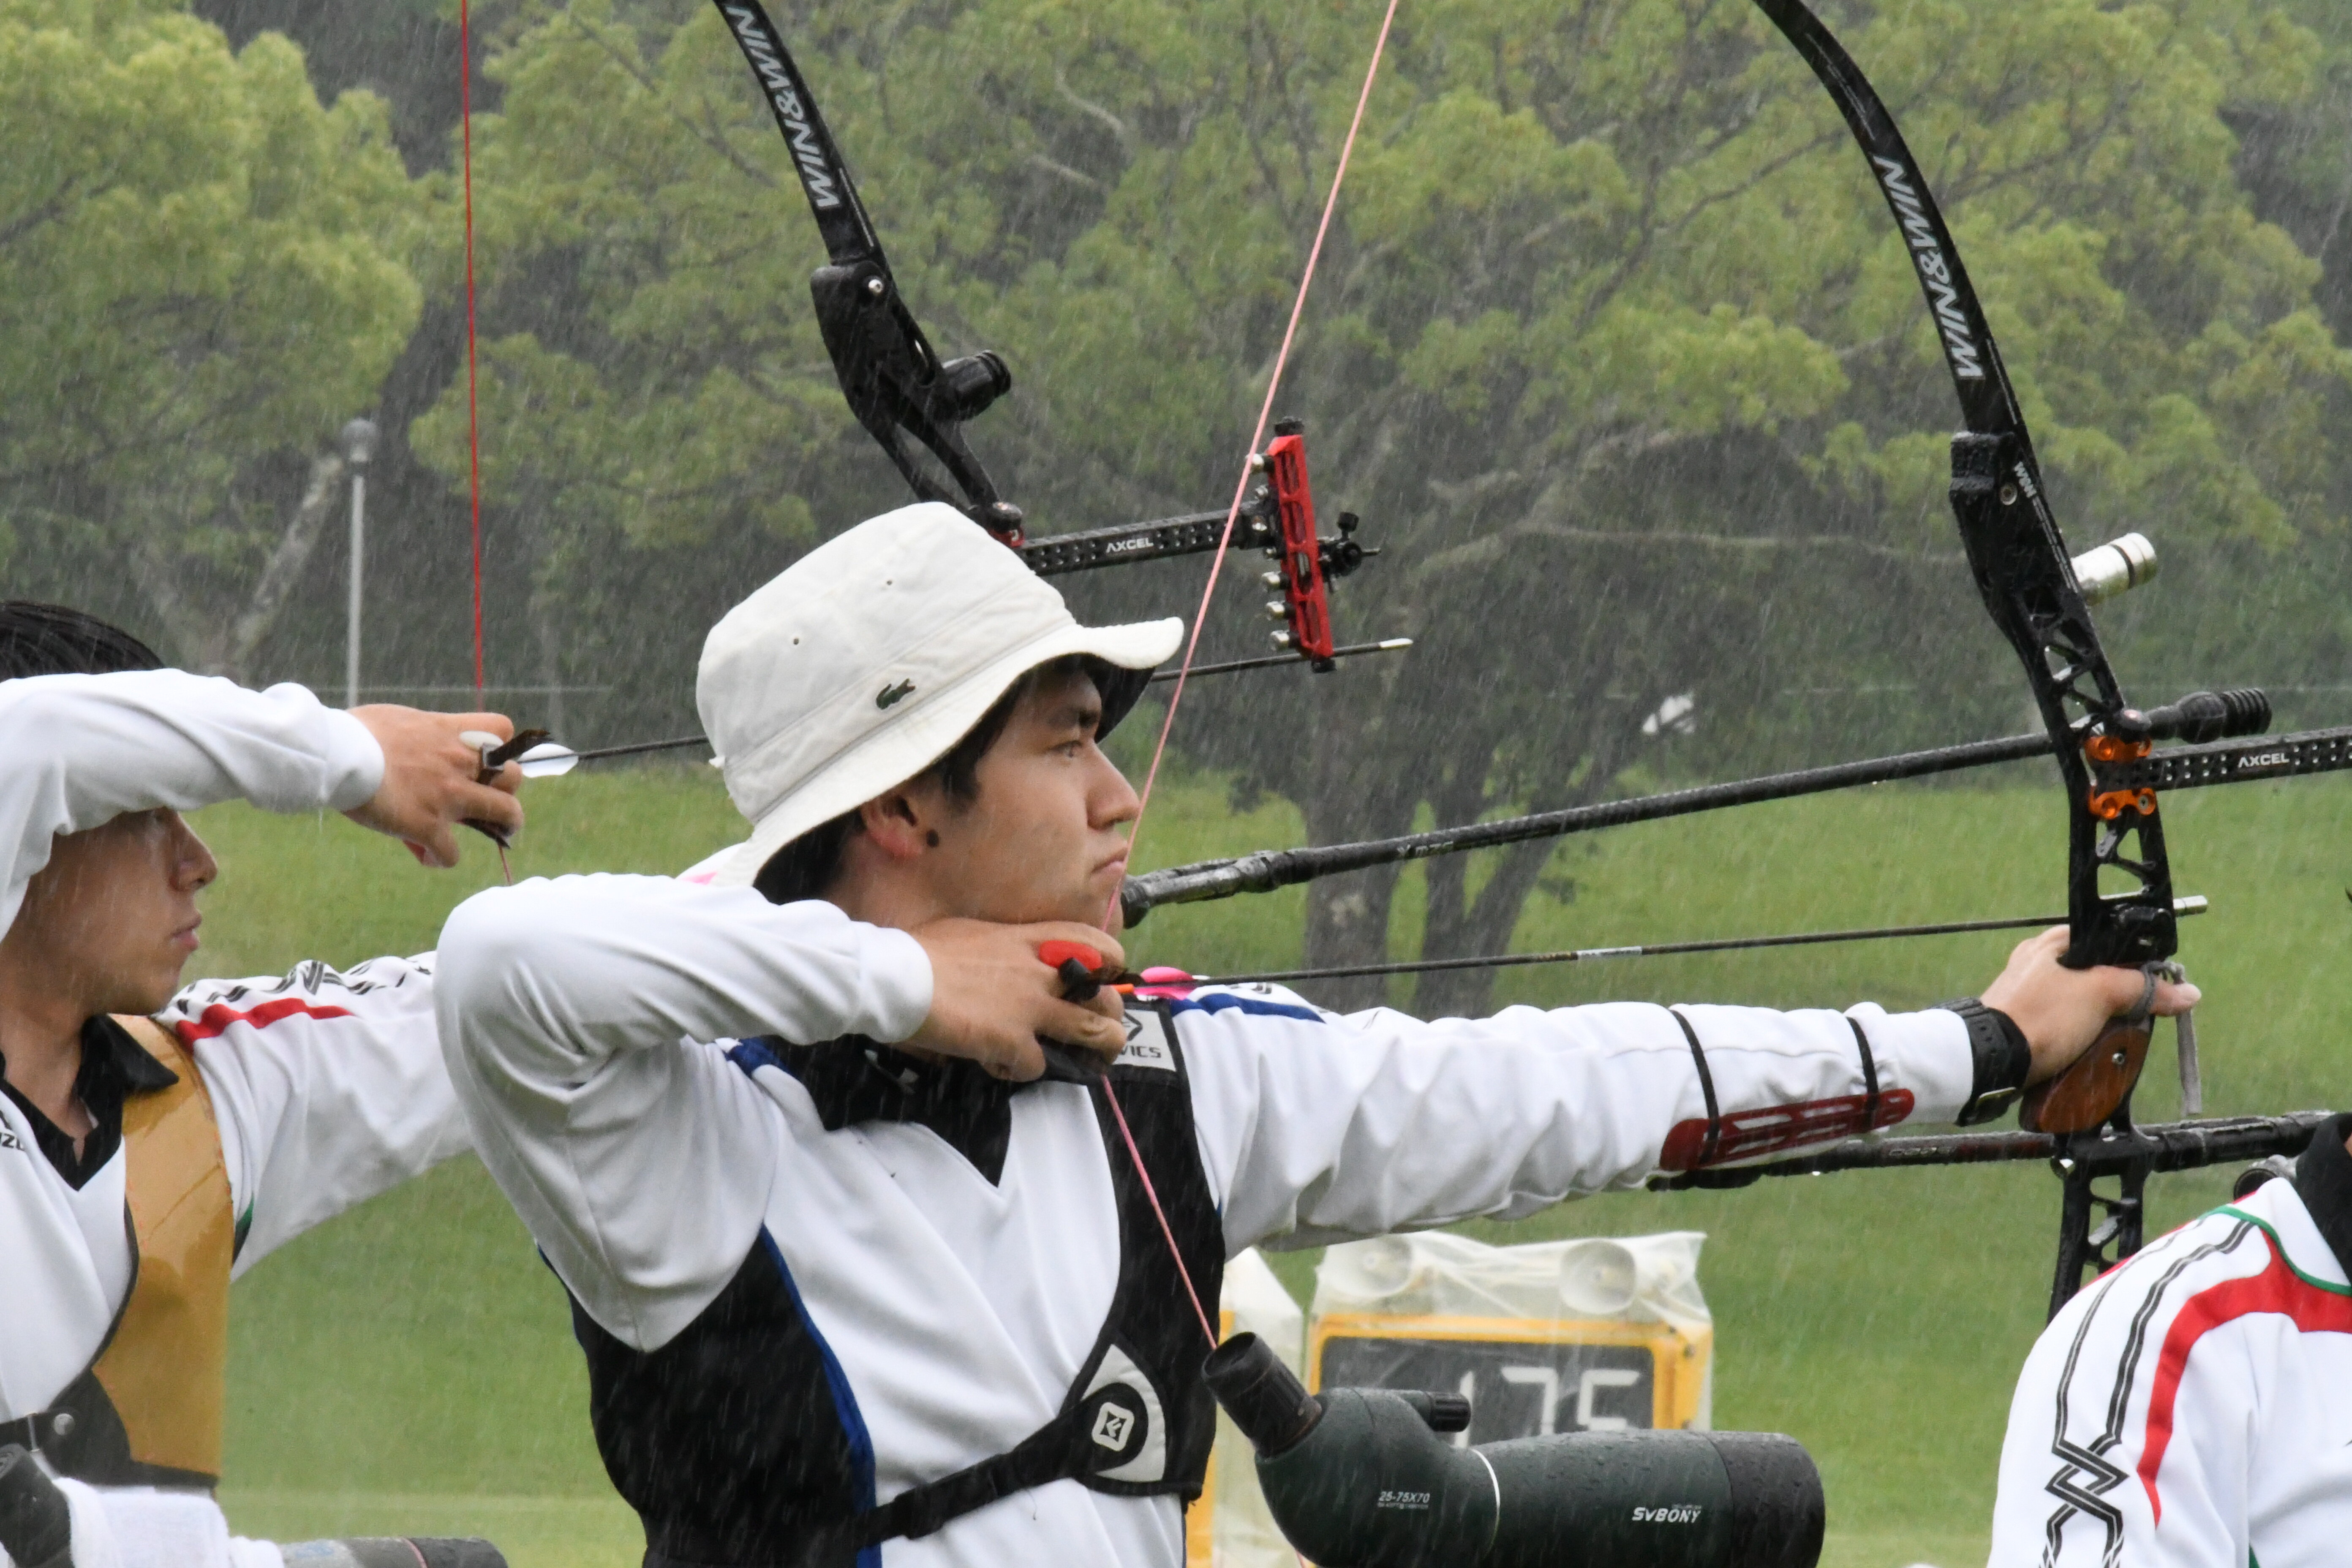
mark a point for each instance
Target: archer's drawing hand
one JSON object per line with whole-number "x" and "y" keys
{"x": 2063, "y": 1010}
{"x": 428, "y": 780}
{"x": 993, "y": 998}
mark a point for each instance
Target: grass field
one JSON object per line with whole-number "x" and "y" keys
{"x": 410, "y": 1365}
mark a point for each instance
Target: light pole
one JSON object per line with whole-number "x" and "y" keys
{"x": 359, "y": 445}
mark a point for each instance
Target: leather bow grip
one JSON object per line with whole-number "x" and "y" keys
{"x": 2083, "y": 1096}
{"x": 2099, "y": 1080}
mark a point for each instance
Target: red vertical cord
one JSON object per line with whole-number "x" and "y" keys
{"x": 473, "y": 397}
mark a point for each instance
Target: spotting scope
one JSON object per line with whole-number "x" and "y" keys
{"x": 1368, "y": 1478}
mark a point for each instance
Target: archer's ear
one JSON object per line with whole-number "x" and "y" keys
{"x": 894, "y": 824}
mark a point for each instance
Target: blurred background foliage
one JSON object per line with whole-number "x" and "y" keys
{"x": 1615, "y": 350}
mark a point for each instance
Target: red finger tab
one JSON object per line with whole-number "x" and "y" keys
{"x": 1746, "y": 1134}
{"x": 1053, "y": 955}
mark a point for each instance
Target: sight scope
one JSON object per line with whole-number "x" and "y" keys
{"x": 1362, "y": 1477}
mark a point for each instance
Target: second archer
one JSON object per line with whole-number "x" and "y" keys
{"x": 868, "y": 1299}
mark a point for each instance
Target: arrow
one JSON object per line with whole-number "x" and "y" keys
{"x": 1267, "y": 661}
{"x": 2193, "y": 905}
{"x": 553, "y": 759}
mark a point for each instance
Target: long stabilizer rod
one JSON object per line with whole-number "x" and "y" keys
{"x": 1267, "y": 869}
{"x": 2181, "y": 767}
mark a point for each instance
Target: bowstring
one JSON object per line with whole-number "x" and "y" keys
{"x": 1201, "y": 617}
{"x": 1257, "y": 434}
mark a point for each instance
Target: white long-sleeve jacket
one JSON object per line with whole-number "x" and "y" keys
{"x": 588, "y": 1023}
{"x": 327, "y": 1087}
{"x": 2190, "y": 1408}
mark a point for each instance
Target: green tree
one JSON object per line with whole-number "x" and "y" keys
{"x": 1615, "y": 347}
{"x": 203, "y": 274}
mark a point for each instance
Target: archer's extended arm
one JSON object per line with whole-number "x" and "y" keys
{"x": 84, "y": 748}
{"x": 1318, "y": 1126}
{"x": 328, "y": 1088}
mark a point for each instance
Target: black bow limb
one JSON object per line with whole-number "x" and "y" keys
{"x": 908, "y": 399}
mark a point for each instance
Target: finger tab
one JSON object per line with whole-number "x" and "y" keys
{"x": 1054, "y": 954}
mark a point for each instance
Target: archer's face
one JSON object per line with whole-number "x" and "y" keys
{"x": 112, "y": 920}
{"x": 1043, "y": 840}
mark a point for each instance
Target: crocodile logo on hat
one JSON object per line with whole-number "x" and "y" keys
{"x": 889, "y": 696}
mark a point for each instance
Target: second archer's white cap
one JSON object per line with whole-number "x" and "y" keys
{"x": 869, "y": 657}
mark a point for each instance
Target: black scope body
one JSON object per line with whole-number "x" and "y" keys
{"x": 1360, "y": 1477}
{"x": 36, "y": 1522}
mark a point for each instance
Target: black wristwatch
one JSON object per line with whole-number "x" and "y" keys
{"x": 2002, "y": 1059}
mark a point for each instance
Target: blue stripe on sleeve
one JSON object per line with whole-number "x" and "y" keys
{"x": 1226, "y": 1002}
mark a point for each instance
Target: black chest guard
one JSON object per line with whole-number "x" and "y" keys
{"x": 713, "y": 1439}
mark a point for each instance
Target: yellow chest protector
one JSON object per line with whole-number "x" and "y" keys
{"x": 148, "y": 1412}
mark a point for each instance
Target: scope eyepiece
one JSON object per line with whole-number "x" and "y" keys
{"x": 1269, "y": 1404}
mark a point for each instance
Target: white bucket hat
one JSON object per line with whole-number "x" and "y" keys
{"x": 868, "y": 659}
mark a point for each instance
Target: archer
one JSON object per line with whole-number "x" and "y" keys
{"x": 840, "y": 1285}
{"x": 156, "y": 1139}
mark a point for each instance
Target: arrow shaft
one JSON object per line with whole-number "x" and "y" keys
{"x": 1267, "y": 661}
{"x": 641, "y": 747}
{"x": 2182, "y": 907}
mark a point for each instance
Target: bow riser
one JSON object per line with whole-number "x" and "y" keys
{"x": 2020, "y": 560}
{"x": 900, "y": 392}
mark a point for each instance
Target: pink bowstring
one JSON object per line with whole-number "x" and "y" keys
{"x": 1201, "y": 617}
{"x": 1257, "y": 434}
{"x": 1135, "y": 1157}
{"x": 473, "y": 397}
